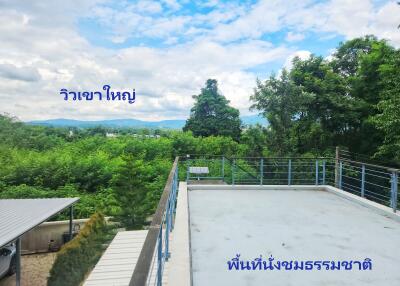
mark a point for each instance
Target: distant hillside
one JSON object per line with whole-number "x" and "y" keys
{"x": 135, "y": 123}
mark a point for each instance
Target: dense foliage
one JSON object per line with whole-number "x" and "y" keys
{"x": 212, "y": 115}
{"x": 349, "y": 99}
{"x": 121, "y": 177}
{"x": 78, "y": 256}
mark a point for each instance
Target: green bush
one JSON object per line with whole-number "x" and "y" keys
{"x": 77, "y": 257}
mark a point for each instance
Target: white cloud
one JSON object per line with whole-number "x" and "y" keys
{"x": 350, "y": 19}
{"x": 164, "y": 78}
{"x": 42, "y": 51}
{"x": 173, "y": 4}
{"x": 304, "y": 55}
{"x": 13, "y": 72}
{"x": 294, "y": 37}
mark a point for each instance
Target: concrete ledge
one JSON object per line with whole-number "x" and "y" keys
{"x": 381, "y": 209}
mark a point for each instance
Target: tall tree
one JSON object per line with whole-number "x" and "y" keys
{"x": 321, "y": 102}
{"x": 280, "y": 101}
{"x": 365, "y": 86}
{"x": 212, "y": 115}
{"x": 388, "y": 117}
{"x": 130, "y": 192}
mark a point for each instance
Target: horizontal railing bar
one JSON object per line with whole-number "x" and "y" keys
{"x": 371, "y": 165}
{"x": 380, "y": 195}
{"x": 354, "y": 169}
{"x": 384, "y": 176}
{"x": 376, "y": 185}
{"x": 378, "y": 171}
{"x": 377, "y": 176}
{"x": 369, "y": 194}
{"x": 352, "y": 190}
{"x": 205, "y": 177}
{"x": 344, "y": 183}
{"x": 352, "y": 178}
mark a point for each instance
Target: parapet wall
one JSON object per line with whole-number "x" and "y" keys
{"x": 37, "y": 239}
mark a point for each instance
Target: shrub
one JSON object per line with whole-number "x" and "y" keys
{"x": 77, "y": 257}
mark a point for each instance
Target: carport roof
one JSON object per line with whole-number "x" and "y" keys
{"x": 17, "y": 216}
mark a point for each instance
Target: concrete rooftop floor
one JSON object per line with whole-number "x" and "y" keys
{"x": 290, "y": 225}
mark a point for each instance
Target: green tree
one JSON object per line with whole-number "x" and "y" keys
{"x": 387, "y": 119}
{"x": 130, "y": 191}
{"x": 254, "y": 138}
{"x": 281, "y": 102}
{"x": 321, "y": 102}
{"x": 212, "y": 115}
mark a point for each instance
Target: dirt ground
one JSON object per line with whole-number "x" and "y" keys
{"x": 34, "y": 270}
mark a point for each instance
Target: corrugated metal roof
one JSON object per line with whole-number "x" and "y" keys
{"x": 18, "y": 216}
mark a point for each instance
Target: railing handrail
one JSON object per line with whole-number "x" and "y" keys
{"x": 390, "y": 169}
{"x": 143, "y": 265}
{"x": 370, "y": 165}
{"x": 305, "y": 158}
{"x": 237, "y": 157}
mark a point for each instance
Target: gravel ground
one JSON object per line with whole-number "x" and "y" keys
{"x": 34, "y": 272}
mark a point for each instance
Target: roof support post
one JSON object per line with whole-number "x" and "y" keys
{"x": 71, "y": 217}
{"x": 18, "y": 262}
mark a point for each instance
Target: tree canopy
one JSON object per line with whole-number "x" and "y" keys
{"x": 349, "y": 99}
{"x": 212, "y": 115}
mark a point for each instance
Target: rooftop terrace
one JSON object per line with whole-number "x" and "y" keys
{"x": 307, "y": 224}
{"x": 276, "y": 221}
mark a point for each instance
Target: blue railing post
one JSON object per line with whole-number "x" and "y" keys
{"x": 290, "y": 172}
{"x": 394, "y": 182}
{"x": 324, "y": 172}
{"x": 167, "y": 228}
{"x": 340, "y": 174}
{"x": 363, "y": 180}
{"x": 233, "y": 171}
{"x": 173, "y": 199}
{"x": 316, "y": 172}
{"x": 261, "y": 171}
{"x": 159, "y": 258}
{"x": 223, "y": 168}
{"x": 188, "y": 171}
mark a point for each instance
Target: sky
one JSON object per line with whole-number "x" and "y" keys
{"x": 166, "y": 50}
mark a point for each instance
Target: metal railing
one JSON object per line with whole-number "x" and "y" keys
{"x": 376, "y": 183}
{"x": 155, "y": 251}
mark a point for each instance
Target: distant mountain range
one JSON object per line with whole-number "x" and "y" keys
{"x": 135, "y": 123}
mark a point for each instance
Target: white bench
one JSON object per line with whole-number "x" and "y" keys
{"x": 198, "y": 171}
